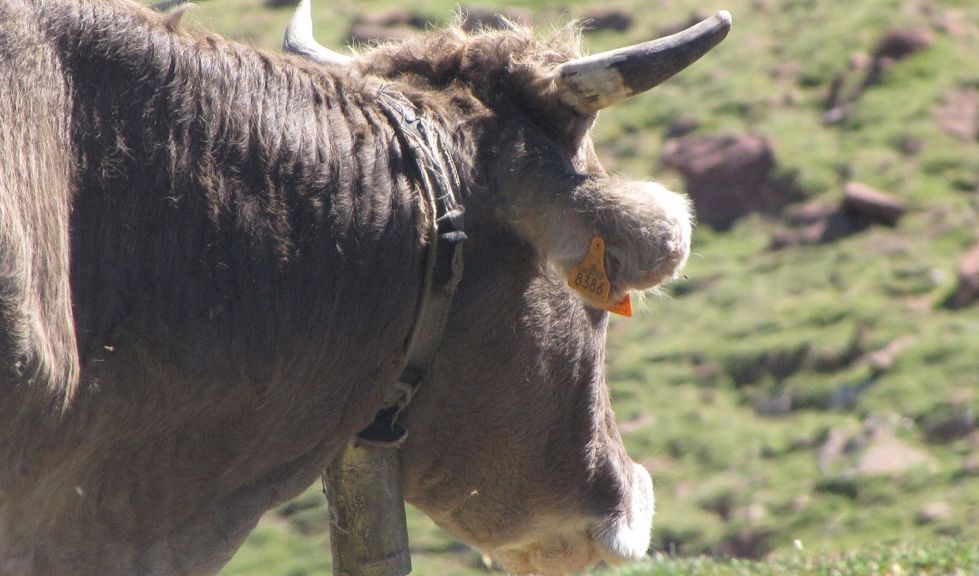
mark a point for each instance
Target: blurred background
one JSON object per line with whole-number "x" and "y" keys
{"x": 811, "y": 385}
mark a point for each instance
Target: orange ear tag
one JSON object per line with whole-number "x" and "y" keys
{"x": 590, "y": 279}
{"x": 622, "y": 307}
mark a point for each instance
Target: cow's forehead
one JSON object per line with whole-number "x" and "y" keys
{"x": 503, "y": 69}
{"x": 453, "y": 50}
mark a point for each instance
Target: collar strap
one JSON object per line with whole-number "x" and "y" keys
{"x": 441, "y": 185}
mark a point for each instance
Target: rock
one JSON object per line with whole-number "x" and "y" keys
{"x": 896, "y": 44}
{"x": 834, "y": 360}
{"x": 755, "y": 512}
{"x": 882, "y": 426}
{"x": 707, "y": 370}
{"x": 875, "y": 451}
{"x": 746, "y": 544}
{"x": 847, "y": 86}
{"x": 821, "y": 223}
{"x": 862, "y": 201}
{"x": 958, "y": 114}
{"x": 933, "y": 512}
{"x": 780, "y": 363}
{"x": 721, "y": 503}
{"x": 967, "y": 292}
{"x": 866, "y": 70}
{"x": 810, "y": 213}
{"x": 787, "y": 70}
{"x": 948, "y": 424}
{"x": 778, "y": 405}
{"x": 800, "y": 502}
{"x": 831, "y": 450}
{"x": 681, "y": 126}
{"x": 892, "y": 457}
{"x": 954, "y": 21}
{"x": 881, "y": 360}
{"x": 601, "y": 19}
{"x": 729, "y": 176}
{"x": 910, "y": 145}
{"x": 899, "y": 43}
{"x": 831, "y": 226}
{"x": 961, "y": 396}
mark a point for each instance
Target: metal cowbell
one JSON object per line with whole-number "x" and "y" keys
{"x": 369, "y": 533}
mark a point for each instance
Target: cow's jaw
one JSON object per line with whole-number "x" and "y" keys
{"x": 567, "y": 545}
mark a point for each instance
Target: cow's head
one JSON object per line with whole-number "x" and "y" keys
{"x": 512, "y": 442}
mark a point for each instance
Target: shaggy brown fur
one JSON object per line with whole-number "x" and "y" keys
{"x": 210, "y": 259}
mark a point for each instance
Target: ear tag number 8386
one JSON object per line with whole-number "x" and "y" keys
{"x": 590, "y": 279}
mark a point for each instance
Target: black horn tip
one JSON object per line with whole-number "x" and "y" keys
{"x": 592, "y": 83}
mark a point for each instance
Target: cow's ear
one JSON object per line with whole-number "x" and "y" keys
{"x": 639, "y": 230}
{"x": 644, "y": 228}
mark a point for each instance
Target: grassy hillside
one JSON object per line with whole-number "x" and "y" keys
{"x": 752, "y": 328}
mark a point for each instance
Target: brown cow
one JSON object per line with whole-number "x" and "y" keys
{"x": 211, "y": 259}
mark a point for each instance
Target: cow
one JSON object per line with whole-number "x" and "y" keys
{"x": 212, "y": 260}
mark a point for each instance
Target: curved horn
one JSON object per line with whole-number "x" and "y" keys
{"x": 592, "y": 83}
{"x": 299, "y": 39}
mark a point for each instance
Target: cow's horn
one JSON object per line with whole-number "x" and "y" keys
{"x": 592, "y": 83}
{"x": 299, "y": 39}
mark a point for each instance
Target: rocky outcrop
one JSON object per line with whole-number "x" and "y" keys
{"x": 899, "y": 43}
{"x": 892, "y": 457}
{"x": 821, "y": 223}
{"x": 866, "y": 70}
{"x": 729, "y": 176}
{"x": 862, "y": 202}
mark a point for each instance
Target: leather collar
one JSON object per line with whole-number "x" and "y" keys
{"x": 423, "y": 144}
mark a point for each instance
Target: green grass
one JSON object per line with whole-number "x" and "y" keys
{"x": 943, "y": 557}
{"x": 689, "y": 374}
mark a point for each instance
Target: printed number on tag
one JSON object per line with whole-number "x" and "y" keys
{"x": 589, "y": 276}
